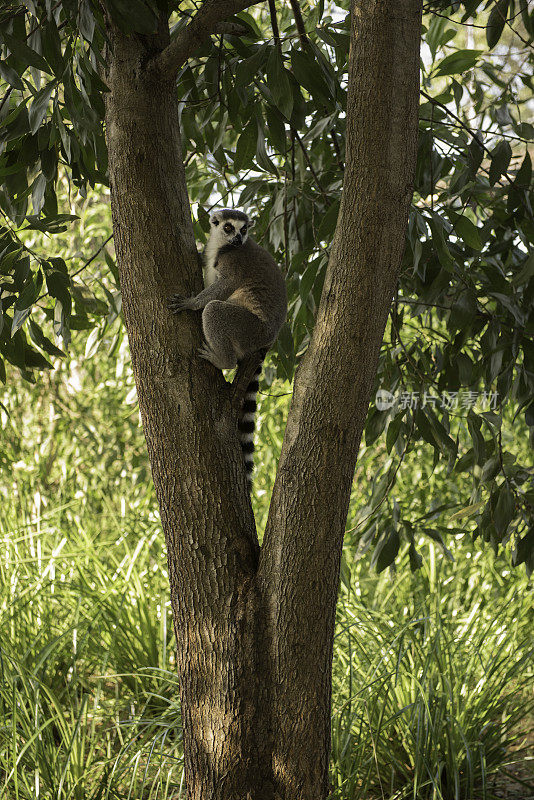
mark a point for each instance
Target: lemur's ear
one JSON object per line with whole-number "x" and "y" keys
{"x": 251, "y": 223}
{"x": 214, "y": 220}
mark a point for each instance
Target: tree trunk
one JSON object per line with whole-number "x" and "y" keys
{"x": 301, "y": 553}
{"x": 190, "y": 431}
{"x": 255, "y": 631}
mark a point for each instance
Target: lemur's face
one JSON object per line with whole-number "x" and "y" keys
{"x": 230, "y": 227}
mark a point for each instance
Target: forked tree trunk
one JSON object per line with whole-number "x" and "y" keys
{"x": 255, "y": 630}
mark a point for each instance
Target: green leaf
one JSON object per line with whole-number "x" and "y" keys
{"x": 25, "y": 301}
{"x": 438, "y": 34}
{"x": 52, "y": 224}
{"x": 524, "y": 130}
{"x": 43, "y": 341}
{"x": 524, "y": 551}
{"x": 393, "y": 431}
{"x": 328, "y": 223}
{"x": 479, "y": 446}
{"x": 528, "y": 20}
{"x": 21, "y": 51}
{"x": 445, "y": 258}
{"x": 440, "y": 432}
{"x": 467, "y": 511}
{"x": 309, "y": 75}
{"x": 490, "y": 470}
{"x": 248, "y": 19}
{"x": 38, "y": 190}
{"x": 307, "y": 280}
{"x": 52, "y": 48}
{"x": 35, "y": 360}
{"x": 496, "y": 22}
{"x": 58, "y": 285}
{"x": 475, "y": 154}
{"x": 416, "y": 559}
{"x": 250, "y": 67}
{"x": 246, "y": 147}
{"x": 523, "y": 176}
{"x": 526, "y": 272}
{"x": 504, "y": 510}
{"x": 467, "y": 232}
{"x": 500, "y": 159}
{"x": 376, "y": 422}
{"x": 458, "y": 62}
{"x": 19, "y": 318}
{"x": 276, "y": 129}
{"x": 62, "y": 321}
{"x": 86, "y": 20}
{"x": 10, "y": 76}
{"x": 261, "y": 153}
{"x": 386, "y": 551}
{"x": 425, "y": 429}
{"x": 279, "y": 83}
{"x": 38, "y": 108}
{"x": 463, "y": 311}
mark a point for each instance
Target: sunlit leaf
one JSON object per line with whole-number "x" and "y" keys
{"x": 458, "y": 62}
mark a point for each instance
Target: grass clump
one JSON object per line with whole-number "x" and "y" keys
{"x": 434, "y": 677}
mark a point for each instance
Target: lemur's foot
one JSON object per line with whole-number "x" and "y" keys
{"x": 178, "y": 303}
{"x": 214, "y": 358}
{"x": 208, "y": 354}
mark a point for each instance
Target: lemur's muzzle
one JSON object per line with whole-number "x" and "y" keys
{"x": 237, "y": 240}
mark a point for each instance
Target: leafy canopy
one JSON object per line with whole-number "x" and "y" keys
{"x": 263, "y": 123}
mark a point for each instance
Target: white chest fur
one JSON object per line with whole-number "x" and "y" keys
{"x": 210, "y": 275}
{"x": 210, "y": 257}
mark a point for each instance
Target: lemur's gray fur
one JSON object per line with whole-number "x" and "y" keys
{"x": 244, "y": 304}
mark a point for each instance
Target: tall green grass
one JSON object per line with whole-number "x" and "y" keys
{"x": 433, "y": 681}
{"x": 433, "y": 670}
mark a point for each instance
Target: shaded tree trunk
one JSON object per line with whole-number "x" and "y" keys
{"x": 255, "y": 630}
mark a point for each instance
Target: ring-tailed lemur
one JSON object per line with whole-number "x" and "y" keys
{"x": 244, "y": 306}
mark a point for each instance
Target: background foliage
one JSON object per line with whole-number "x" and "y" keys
{"x": 263, "y": 119}
{"x": 432, "y": 672}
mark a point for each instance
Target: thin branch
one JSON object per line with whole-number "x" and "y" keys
{"x": 429, "y": 10}
{"x": 487, "y": 132}
{"x": 95, "y": 254}
{"x": 308, "y": 162}
{"x": 207, "y": 21}
{"x": 274, "y": 25}
{"x": 507, "y": 23}
{"x": 299, "y": 22}
{"x": 478, "y": 140}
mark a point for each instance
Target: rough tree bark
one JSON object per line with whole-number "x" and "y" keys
{"x": 254, "y": 629}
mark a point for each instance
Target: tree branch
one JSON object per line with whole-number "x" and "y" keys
{"x": 274, "y": 25}
{"x": 299, "y": 22}
{"x": 207, "y": 21}
{"x": 298, "y": 574}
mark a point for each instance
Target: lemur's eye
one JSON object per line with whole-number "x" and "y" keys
{"x": 244, "y": 229}
{"x": 228, "y": 228}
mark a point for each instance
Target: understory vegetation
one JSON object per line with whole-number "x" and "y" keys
{"x": 433, "y": 669}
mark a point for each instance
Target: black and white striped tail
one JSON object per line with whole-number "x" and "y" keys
{"x": 246, "y": 424}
